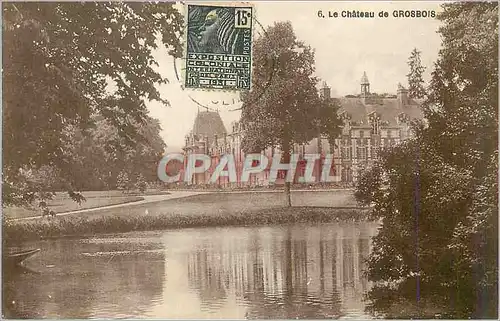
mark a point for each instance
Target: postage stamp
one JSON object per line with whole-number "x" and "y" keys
{"x": 219, "y": 47}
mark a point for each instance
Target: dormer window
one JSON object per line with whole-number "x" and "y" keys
{"x": 346, "y": 118}
{"x": 375, "y": 122}
{"x": 402, "y": 118}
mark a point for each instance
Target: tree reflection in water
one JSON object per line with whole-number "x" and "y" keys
{"x": 291, "y": 272}
{"x": 298, "y": 271}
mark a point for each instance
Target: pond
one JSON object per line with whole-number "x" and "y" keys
{"x": 295, "y": 271}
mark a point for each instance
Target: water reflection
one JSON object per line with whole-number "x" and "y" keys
{"x": 293, "y": 272}
{"x": 85, "y": 279}
{"x": 299, "y": 271}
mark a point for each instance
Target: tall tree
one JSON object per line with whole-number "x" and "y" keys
{"x": 284, "y": 107}
{"x": 64, "y": 63}
{"x": 415, "y": 76}
{"x": 99, "y": 154}
{"x": 437, "y": 194}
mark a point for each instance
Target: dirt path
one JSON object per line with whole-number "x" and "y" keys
{"x": 146, "y": 199}
{"x": 212, "y": 205}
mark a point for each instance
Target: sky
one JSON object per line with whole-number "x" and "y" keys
{"x": 344, "y": 49}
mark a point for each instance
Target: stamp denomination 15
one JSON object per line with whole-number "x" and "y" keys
{"x": 243, "y": 18}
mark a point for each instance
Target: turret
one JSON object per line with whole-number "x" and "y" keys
{"x": 365, "y": 85}
{"x": 325, "y": 91}
{"x": 402, "y": 95}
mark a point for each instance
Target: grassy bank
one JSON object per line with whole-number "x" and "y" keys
{"x": 67, "y": 205}
{"x": 228, "y": 204}
{"x": 15, "y": 232}
{"x": 93, "y": 199}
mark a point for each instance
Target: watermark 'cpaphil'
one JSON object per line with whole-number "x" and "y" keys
{"x": 225, "y": 166}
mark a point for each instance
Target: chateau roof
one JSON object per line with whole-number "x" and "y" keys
{"x": 208, "y": 123}
{"x": 387, "y": 108}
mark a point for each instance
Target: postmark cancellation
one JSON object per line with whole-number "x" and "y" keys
{"x": 218, "y": 46}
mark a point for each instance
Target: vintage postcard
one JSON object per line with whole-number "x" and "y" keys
{"x": 250, "y": 160}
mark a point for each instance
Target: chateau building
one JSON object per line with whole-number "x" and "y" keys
{"x": 370, "y": 122}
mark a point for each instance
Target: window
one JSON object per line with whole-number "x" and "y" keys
{"x": 361, "y": 133}
{"x": 389, "y": 133}
{"x": 344, "y": 153}
{"x": 362, "y": 153}
{"x": 375, "y": 122}
{"x": 346, "y": 175}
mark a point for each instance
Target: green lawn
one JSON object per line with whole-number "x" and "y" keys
{"x": 63, "y": 203}
{"x": 14, "y": 233}
{"x": 216, "y": 209}
{"x": 230, "y": 203}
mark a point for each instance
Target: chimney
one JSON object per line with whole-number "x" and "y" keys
{"x": 325, "y": 92}
{"x": 402, "y": 95}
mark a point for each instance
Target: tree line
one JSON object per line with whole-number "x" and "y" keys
{"x": 437, "y": 193}
{"x": 76, "y": 78}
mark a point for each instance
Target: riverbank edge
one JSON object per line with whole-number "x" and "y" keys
{"x": 15, "y": 232}
{"x": 36, "y": 214}
{"x": 126, "y": 198}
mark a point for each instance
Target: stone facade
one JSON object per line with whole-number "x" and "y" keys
{"x": 370, "y": 122}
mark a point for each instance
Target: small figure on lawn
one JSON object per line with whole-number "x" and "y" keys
{"x": 45, "y": 210}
